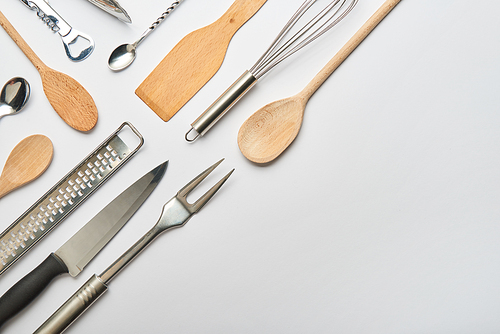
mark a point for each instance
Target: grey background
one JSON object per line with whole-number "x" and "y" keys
{"x": 382, "y": 216}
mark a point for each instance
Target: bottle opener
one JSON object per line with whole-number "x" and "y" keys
{"x": 57, "y": 24}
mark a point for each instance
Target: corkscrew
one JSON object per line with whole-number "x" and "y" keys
{"x": 57, "y": 24}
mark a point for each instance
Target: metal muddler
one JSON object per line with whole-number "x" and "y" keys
{"x": 327, "y": 18}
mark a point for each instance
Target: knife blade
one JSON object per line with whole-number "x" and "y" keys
{"x": 77, "y": 252}
{"x": 112, "y": 7}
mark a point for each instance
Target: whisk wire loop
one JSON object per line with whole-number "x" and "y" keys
{"x": 296, "y": 16}
{"x": 282, "y": 52}
{"x": 319, "y": 24}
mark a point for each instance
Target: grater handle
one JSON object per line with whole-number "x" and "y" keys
{"x": 29, "y": 287}
{"x": 73, "y": 307}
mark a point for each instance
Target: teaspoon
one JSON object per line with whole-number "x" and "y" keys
{"x": 125, "y": 54}
{"x": 15, "y": 93}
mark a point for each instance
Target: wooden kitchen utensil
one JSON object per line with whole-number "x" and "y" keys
{"x": 271, "y": 129}
{"x": 27, "y": 161}
{"x": 193, "y": 61}
{"x": 68, "y": 98}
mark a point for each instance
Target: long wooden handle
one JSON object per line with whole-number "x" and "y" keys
{"x": 21, "y": 43}
{"x": 239, "y": 13}
{"x": 6, "y": 187}
{"x": 348, "y": 48}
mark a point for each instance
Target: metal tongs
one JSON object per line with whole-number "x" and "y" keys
{"x": 112, "y": 7}
{"x": 57, "y": 24}
{"x": 176, "y": 212}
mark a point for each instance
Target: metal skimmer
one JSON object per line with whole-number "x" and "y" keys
{"x": 65, "y": 196}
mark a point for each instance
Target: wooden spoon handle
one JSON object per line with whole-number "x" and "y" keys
{"x": 21, "y": 43}
{"x": 348, "y": 48}
{"x": 6, "y": 187}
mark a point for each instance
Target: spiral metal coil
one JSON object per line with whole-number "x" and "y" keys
{"x": 165, "y": 14}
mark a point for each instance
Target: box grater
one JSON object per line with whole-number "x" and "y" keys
{"x": 62, "y": 199}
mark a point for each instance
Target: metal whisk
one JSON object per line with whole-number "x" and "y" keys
{"x": 279, "y": 50}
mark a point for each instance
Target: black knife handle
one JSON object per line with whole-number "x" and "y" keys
{"x": 29, "y": 287}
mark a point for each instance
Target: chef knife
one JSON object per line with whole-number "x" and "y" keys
{"x": 78, "y": 251}
{"x": 112, "y": 7}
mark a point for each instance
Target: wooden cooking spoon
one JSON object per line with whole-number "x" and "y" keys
{"x": 27, "y": 161}
{"x": 271, "y": 129}
{"x": 193, "y": 61}
{"x": 68, "y": 98}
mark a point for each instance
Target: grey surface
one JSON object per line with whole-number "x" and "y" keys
{"x": 381, "y": 217}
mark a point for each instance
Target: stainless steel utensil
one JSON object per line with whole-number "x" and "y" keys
{"x": 112, "y": 7}
{"x": 279, "y": 50}
{"x": 14, "y": 96}
{"x": 57, "y": 24}
{"x": 81, "y": 248}
{"x": 62, "y": 199}
{"x": 125, "y": 54}
{"x": 176, "y": 212}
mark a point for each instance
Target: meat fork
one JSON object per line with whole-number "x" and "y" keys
{"x": 176, "y": 212}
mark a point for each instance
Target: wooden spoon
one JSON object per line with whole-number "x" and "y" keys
{"x": 271, "y": 129}
{"x": 68, "y": 98}
{"x": 193, "y": 61}
{"x": 27, "y": 161}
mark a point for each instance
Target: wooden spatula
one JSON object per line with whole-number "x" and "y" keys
{"x": 27, "y": 161}
{"x": 68, "y": 98}
{"x": 193, "y": 61}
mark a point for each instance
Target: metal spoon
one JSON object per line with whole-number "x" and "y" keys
{"x": 15, "y": 93}
{"x": 125, "y": 54}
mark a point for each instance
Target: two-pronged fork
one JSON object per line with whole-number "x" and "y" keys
{"x": 176, "y": 212}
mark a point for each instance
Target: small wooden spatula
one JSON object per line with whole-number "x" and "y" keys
{"x": 193, "y": 61}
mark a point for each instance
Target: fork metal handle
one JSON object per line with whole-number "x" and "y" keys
{"x": 113, "y": 270}
{"x": 75, "y": 306}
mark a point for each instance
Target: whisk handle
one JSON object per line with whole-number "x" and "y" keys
{"x": 221, "y": 106}
{"x": 348, "y": 48}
